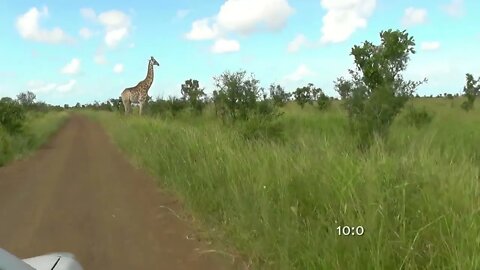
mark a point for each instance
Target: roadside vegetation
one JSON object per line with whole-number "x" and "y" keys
{"x": 26, "y": 124}
{"x": 272, "y": 174}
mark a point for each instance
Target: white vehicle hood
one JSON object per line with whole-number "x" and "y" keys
{"x": 61, "y": 261}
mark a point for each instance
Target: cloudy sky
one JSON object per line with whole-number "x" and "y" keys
{"x": 69, "y": 51}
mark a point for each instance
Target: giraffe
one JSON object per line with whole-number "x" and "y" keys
{"x": 139, "y": 93}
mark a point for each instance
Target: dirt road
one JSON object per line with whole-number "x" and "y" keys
{"x": 78, "y": 194}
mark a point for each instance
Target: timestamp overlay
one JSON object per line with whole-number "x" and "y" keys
{"x": 350, "y": 230}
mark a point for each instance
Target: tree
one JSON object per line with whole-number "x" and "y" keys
{"x": 219, "y": 100}
{"x": 307, "y": 94}
{"x": 303, "y": 95}
{"x": 194, "y": 95}
{"x": 237, "y": 94}
{"x": 26, "y": 99}
{"x": 323, "y": 101}
{"x": 471, "y": 90}
{"x": 278, "y": 95}
{"x": 377, "y": 91}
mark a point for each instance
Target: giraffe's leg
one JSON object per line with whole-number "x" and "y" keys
{"x": 125, "y": 103}
{"x": 140, "y": 108}
{"x": 125, "y": 106}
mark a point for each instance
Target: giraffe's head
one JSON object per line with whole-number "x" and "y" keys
{"x": 153, "y": 61}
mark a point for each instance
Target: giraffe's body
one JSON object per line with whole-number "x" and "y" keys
{"x": 139, "y": 93}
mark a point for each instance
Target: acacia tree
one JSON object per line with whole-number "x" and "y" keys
{"x": 303, "y": 95}
{"x": 26, "y": 99}
{"x": 193, "y": 95}
{"x": 471, "y": 90}
{"x": 377, "y": 90}
{"x": 307, "y": 94}
{"x": 278, "y": 95}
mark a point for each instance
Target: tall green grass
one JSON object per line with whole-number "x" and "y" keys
{"x": 38, "y": 128}
{"x": 417, "y": 195}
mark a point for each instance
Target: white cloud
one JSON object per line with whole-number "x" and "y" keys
{"x": 246, "y": 16}
{"x": 242, "y": 17}
{"x": 225, "y": 46}
{"x": 117, "y": 24}
{"x": 85, "y": 33}
{"x": 182, "y": 13}
{"x": 73, "y": 67}
{"x": 344, "y": 17}
{"x": 295, "y": 45}
{"x": 118, "y": 68}
{"x": 41, "y": 87}
{"x": 455, "y": 8}
{"x": 430, "y": 45}
{"x": 67, "y": 87}
{"x": 201, "y": 30}
{"x": 414, "y": 16}
{"x": 88, "y": 14}
{"x": 44, "y": 87}
{"x": 28, "y": 26}
{"x": 299, "y": 74}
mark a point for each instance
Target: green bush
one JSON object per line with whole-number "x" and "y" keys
{"x": 236, "y": 95}
{"x": 12, "y": 116}
{"x": 418, "y": 117}
{"x": 278, "y": 95}
{"x": 323, "y": 101}
{"x": 471, "y": 90}
{"x": 194, "y": 95}
{"x": 176, "y": 105}
{"x": 377, "y": 91}
{"x": 261, "y": 128}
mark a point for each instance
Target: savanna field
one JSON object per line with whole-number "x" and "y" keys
{"x": 276, "y": 180}
{"x": 278, "y": 204}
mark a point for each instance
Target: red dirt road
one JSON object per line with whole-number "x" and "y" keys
{"x": 78, "y": 194}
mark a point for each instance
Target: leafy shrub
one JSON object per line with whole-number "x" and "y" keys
{"x": 278, "y": 95}
{"x": 158, "y": 107}
{"x": 117, "y": 104}
{"x": 240, "y": 101}
{"x": 219, "y": 101}
{"x": 12, "y": 116}
{"x": 471, "y": 90}
{"x": 194, "y": 95}
{"x": 303, "y": 95}
{"x": 323, "y": 102}
{"x": 176, "y": 105}
{"x": 262, "y": 128}
{"x": 418, "y": 117}
{"x": 236, "y": 95}
{"x": 377, "y": 91}
{"x": 466, "y": 105}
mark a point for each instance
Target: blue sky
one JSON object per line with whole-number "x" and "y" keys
{"x": 69, "y": 51}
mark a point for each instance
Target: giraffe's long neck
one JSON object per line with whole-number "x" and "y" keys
{"x": 149, "y": 79}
